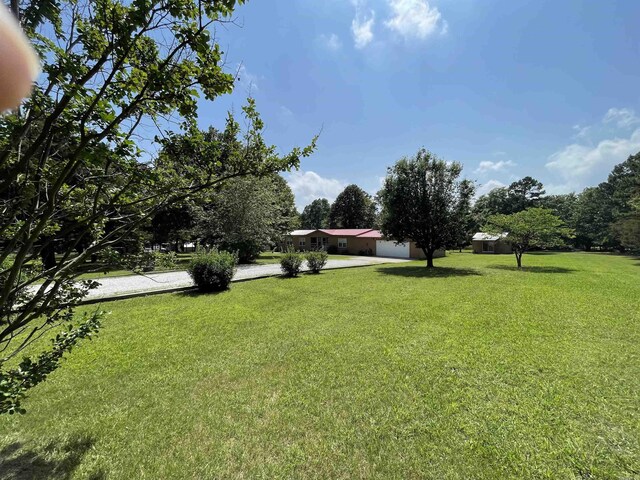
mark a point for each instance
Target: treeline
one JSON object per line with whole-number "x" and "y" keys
{"x": 352, "y": 208}
{"x": 247, "y": 216}
{"x": 605, "y": 217}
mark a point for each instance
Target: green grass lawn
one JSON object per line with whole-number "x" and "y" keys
{"x": 472, "y": 370}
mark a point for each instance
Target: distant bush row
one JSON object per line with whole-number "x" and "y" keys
{"x": 212, "y": 270}
{"x": 291, "y": 262}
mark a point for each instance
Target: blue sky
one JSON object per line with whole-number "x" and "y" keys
{"x": 545, "y": 88}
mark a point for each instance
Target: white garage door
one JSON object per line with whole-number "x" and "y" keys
{"x": 386, "y": 248}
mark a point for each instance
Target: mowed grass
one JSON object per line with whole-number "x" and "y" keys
{"x": 473, "y": 370}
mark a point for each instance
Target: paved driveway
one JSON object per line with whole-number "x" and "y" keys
{"x": 114, "y": 286}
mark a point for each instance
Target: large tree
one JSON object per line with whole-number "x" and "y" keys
{"x": 593, "y": 215}
{"x": 423, "y": 200}
{"x": 248, "y": 215}
{"x": 71, "y": 171}
{"x": 628, "y": 227}
{"x": 491, "y": 203}
{"x": 531, "y": 228}
{"x": 316, "y": 214}
{"x": 353, "y": 208}
{"x": 174, "y": 224}
{"x": 524, "y": 193}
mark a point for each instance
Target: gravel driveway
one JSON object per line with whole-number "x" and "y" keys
{"x": 114, "y": 286}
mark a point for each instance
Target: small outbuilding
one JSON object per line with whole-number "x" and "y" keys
{"x": 490, "y": 243}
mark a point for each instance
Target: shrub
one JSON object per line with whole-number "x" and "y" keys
{"x": 332, "y": 249}
{"x": 145, "y": 262}
{"x": 212, "y": 270}
{"x": 247, "y": 250}
{"x": 367, "y": 252}
{"x": 316, "y": 260}
{"x": 290, "y": 263}
{"x": 165, "y": 261}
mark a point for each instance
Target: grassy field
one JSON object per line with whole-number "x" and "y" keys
{"x": 472, "y": 370}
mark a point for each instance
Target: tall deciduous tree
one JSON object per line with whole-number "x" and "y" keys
{"x": 353, "y": 208}
{"x": 422, "y": 200}
{"x": 316, "y": 214}
{"x": 70, "y": 167}
{"x": 248, "y": 215}
{"x": 531, "y": 228}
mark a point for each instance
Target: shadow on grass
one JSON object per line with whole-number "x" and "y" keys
{"x": 56, "y": 461}
{"x": 532, "y": 269}
{"x": 199, "y": 293}
{"x": 424, "y": 272}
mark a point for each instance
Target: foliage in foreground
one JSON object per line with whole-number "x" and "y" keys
{"x": 212, "y": 270}
{"x": 291, "y": 263}
{"x": 15, "y": 382}
{"x": 316, "y": 260}
{"x": 531, "y": 228}
{"x": 72, "y": 183}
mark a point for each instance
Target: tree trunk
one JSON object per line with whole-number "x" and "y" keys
{"x": 48, "y": 255}
{"x": 519, "y": 259}
{"x": 429, "y": 254}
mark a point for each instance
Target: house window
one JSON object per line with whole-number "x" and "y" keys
{"x": 342, "y": 243}
{"x": 314, "y": 242}
{"x": 301, "y": 242}
{"x": 289, "y": 242}
{"x": 325, "y": 241}
{"x": 487, "y": 247}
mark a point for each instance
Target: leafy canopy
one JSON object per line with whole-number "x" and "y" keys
{"x": 423, "y": 200}
{"x": 531, "y": 228}
{"x": 316, "y": 214}
{"x": 353, "y": 208}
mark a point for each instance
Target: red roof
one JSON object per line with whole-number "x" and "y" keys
{"x": 347, "y": 232}
{"x": 371, "y": 234}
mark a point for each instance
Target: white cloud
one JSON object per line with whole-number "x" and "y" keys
{"x": 581, "y": 132}
{"x": 331, "y": 41}
{"x": 284, "y": 111}
{"x": 362, "y": 28}
{"x": 486, "y": 187}
{"x": 248, "y": 80}
{"x": 415, "y": 19}
{"x": 577, "y": 163}
{"x": 307, "y": 186}
{"x": 621, "y": 117}
{"x": 489, "y": 166}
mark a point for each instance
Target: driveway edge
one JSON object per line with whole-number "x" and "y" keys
{"x": 126, "y": 296}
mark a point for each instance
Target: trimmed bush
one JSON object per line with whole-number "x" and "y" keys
{"x": 165, "y": 261}
{"x": 291, "y": 263}
{"x": 332, "y": 249}
{"x": 316, "y": 260}
{"x": 212, "y": 270}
